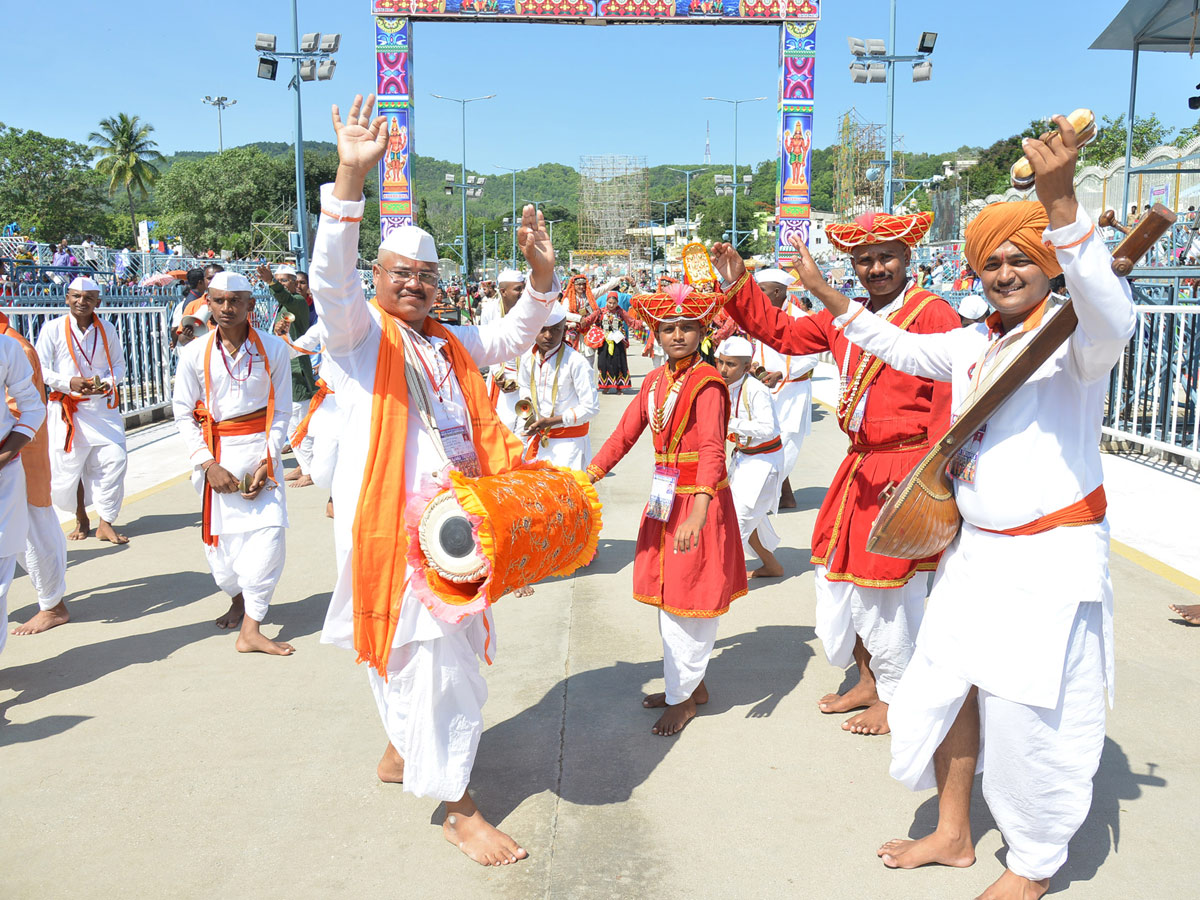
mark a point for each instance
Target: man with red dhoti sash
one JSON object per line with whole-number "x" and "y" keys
{"x": 232, "y": 402}
{"x": 415, "y": 404}
{"x": 1017, "y": 645}
{"x": 46, "y": 545}
{"x": 869, "y": 607}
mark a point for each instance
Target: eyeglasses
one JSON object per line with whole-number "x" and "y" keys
{"x": 402, "y": 276}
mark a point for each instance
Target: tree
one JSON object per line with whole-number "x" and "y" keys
{"x": 1187, "y": 135}
{"x": 48, "y": 187}
{"x": 1148, "y": 133}
{"x": 127, "y": 157}
{"x": 716, "y": 215}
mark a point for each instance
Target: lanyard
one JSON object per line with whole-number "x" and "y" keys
{"x": 536, "y": 377}
{"x": 225, "y": 360}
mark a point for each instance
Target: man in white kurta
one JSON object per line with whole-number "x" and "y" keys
{"x": 502, "y": 376}
{"x": 243, "y": 379}
{"x": 1016, "y": 647}
{"x": 16, "y": 431}
{"x": 558, "y": 381}
{"x": 87, "y": 431}
{"x": 431, "y": 701}
{"x": 789, "y": 378}
{"x": 322, "y": 421}
{"x": 755, "y": 466}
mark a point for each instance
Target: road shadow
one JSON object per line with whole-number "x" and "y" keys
{"x": 796, "y": 561}
{"x": 807, "y": 498}
{"x": 161, "y": 523}
{"x": 47, "y": 726}
{"x": 588, "y": 739}
{"x": 300, "y": 618}
{"x": 122, "y": 601}
{"x": 611, "y": 557}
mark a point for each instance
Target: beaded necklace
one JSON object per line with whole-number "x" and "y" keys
{"x": 674, "y": 374}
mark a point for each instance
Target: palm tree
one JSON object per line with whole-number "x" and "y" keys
{"x": 127, "y": 156}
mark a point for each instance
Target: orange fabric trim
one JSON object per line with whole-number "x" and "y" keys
{"x": 1054, "y": 246}
{"x": 113, "y": 402}
{"x": 569, "y": 431}
{"x": 301, "y": 432}
{"x": 380, "y": 543}
{"x": 283, "y": 337}
{"x": 35, "y": 456}
{"x": 1088, "y": 511}
{"x": 337, "y": 218}
{"x": 70, "y": 405}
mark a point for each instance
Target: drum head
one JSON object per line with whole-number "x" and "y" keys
{"x": 448, "y": 541}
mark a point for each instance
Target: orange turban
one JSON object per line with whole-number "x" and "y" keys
{"x": 1021, "y": 222}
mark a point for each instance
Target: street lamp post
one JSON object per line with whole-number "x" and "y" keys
{"x": 687, "y": 181}
{"x": 736, "y": 184}
{"x": 221, "y": 103}
{"x": 512, "y": 260}
{"x": 551, "y": 222}
{"x": 463, "y": 185}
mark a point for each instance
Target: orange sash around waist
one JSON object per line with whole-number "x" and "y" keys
{"x": 213, "y": 432}
{"x": 301, "y": 432}
{"x": 1088, "y": 511}
{"x": 568, "y": 431}
{"x": 70, "y": 406}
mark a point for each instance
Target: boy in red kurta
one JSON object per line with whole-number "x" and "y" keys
{"x": 869, "y": 607}
{"x": 689, "y": 560}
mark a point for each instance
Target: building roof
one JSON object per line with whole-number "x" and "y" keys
{"x": 1165, "y": 26}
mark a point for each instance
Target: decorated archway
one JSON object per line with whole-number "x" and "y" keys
{"x": 795, "y": 19}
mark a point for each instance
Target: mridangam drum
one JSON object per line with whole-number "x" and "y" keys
{"x": 476, "y": 539}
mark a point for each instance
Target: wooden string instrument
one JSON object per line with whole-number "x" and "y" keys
{"x": 919, "y": 517}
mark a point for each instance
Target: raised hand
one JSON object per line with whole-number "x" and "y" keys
{"x": 1053, "y": 165}
{"x": 265, "y": 275}
{"x": 361, "y": 141}
{"x": 534, "y": 241}
{"x": 728, "y": 263}
{"x": 814, "y": 280}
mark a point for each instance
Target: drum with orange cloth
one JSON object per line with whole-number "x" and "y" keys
{"x": 473, "y": 540}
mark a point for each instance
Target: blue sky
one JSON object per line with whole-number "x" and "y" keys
{"x": 563, "y": 92}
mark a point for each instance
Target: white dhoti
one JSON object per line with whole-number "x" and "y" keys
{"x": 687, "y": 645}
{"x": 249, "y": 563}
{"x": 887, "y": 620}
{"x": 46, "y": 556}
{"x": 570, "y": 453}
{"x": 14, "y": 525}
{"x": 793, "y": 406}
{"x": 304, "y": 450}
{"x": 754, "y": 483}
{"x": 101, "y": 469}
{"x": 1037, "y": 763}
{"x": 325, "y": 430}
{"x": 8, "y": 567}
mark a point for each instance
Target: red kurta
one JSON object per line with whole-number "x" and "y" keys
{"x": 904, "y": 415}
{"x": 704, "y": 581}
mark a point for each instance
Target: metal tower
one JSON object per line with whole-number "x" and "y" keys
{"x": 707, "y": 145}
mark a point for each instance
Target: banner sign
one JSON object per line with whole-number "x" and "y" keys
{"x": 793, "y": 193}
{"x": 725, "y": 12}
{"x": 393, "y": 89}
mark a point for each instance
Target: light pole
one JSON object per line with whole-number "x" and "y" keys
{"x": 463, "y": 185}
{"x": 874, "y": 63}
{"x": 551, "y": 222}
{"x": 735, "y": 104}
{"x": 687, "y": 181}
{"x": 512, "y": 260}
{"x": 312, "y": 61}
{"x": 221, "y": 103}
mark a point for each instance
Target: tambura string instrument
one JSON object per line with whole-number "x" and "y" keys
{"x": 920, "y": 517}
{"x": 473, "y": 540}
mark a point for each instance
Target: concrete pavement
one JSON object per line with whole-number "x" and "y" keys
{"x": 141, "y": 755}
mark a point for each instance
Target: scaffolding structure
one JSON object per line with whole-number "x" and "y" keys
{"x": 860, "y": 144}
{"x": 269, "y": 240}
{"x": 614, "y": 196}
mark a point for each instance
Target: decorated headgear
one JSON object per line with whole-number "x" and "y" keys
{"x": 678, "y": 303}
{"x": 571, "y": 293}
{"x": 511, "y": 276}
{"x": 1020, "y": 221}
{"x": 973, "y": 307}
{"x": 411, "y": 242}
{"x": 735, "y": 345}
{"x": 230, "y": 281}
{"x": 775, "y": 276}
{"x": 83, "y": 283}
{"x": 876, "y": 228}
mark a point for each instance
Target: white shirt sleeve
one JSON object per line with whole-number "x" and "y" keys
{"x": 281, "y": 378}
{"x": 759, "y": 423}
{"x": 585, "y": 390}
{"x": 187, "y": 393}
{"x": 512, "y": 334}
{"x": 923, "y": 355}
{"x": 18, "y": 382}
{"x": 47, "y": 351}
{"x": 336, "y": 287}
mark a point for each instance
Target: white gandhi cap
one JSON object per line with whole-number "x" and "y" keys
{"x": 558, "y": 312}
{"x": 510, "y": 276}
{"x": 775, "y": 276}
{"x": 285, "y": 270}
{"x": 973, "y": 307}
{"x": 411, "y": 242}
{"x": 735, "y": 346}
{"x": 83, "y": 283}
{"x": 230, "y": 281}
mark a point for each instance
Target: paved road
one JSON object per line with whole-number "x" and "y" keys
{"x": 141, "y": 756}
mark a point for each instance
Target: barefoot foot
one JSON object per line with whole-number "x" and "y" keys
{"x": 872, "y": 721}
{"x": 45, "y": 620}
{"x": 106, "y": 532}
{"x": 391, "y": 767}
{"x": 856, "y": 698}
{"x": 659, "y": 700}
{"x": 254, "y": 641}
{"x": 232, "y": 618}
{"x": 767, "y": 571}
{"x": 940, "y": 848}
{"x": 302, "y": 481}
{"x": 1011, "y": 886}
{"x": 329, "y": 508}
{"x": 673, "y": 720}
{"x": 525, "y": 591}
{"x": 1189, "y": 614}
{"x": 83, "y": 527}
{"x": 479, "y": 840}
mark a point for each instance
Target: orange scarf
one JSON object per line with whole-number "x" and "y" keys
{"x": 113, "y": 401}
{"x": 301, "y": 432}
{"x": 35, "y": 456}
{"x": 380, "y": 544}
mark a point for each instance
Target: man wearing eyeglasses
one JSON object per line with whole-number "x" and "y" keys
{"x": 414, "y": 405}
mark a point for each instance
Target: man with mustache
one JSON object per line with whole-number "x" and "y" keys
{"x": 869, "y": 607}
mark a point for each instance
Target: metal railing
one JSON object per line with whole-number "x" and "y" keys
{"x": 1152, "y": 398}
{"x": 144, "y": 335}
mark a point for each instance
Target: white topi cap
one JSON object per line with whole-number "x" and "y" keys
{"x": 558, "y": 312}
{"x": 285, "y": 270}
{"x": 511, "y": 276}
{"x": 735, "y": 346}
{"x": 411, "y": 242}
{"x": 83, "y": 283}
{"x": 775, "y": 276}
{"x": 230, "y": 281}
{"x": 973, "y": 307}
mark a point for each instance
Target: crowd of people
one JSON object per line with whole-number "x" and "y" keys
{"x": 372, "y": 396}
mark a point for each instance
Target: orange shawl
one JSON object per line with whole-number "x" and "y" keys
{"x": 380, "y": 545}
{"x": 35, "y": 456}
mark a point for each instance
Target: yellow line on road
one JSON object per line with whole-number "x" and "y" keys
{"x": 69, "y": 525}
{"x": 1157, "y": 567}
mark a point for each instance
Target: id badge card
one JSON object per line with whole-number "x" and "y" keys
{"x": 460, "y": 451}
{"x": 856, "y": 419}
{"x": 662, "y": 493}
{"x": 965, "y": 462}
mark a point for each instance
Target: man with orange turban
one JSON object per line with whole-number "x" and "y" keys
{"x": 869, "y": 607}
{"x": 1017, "y": 644}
